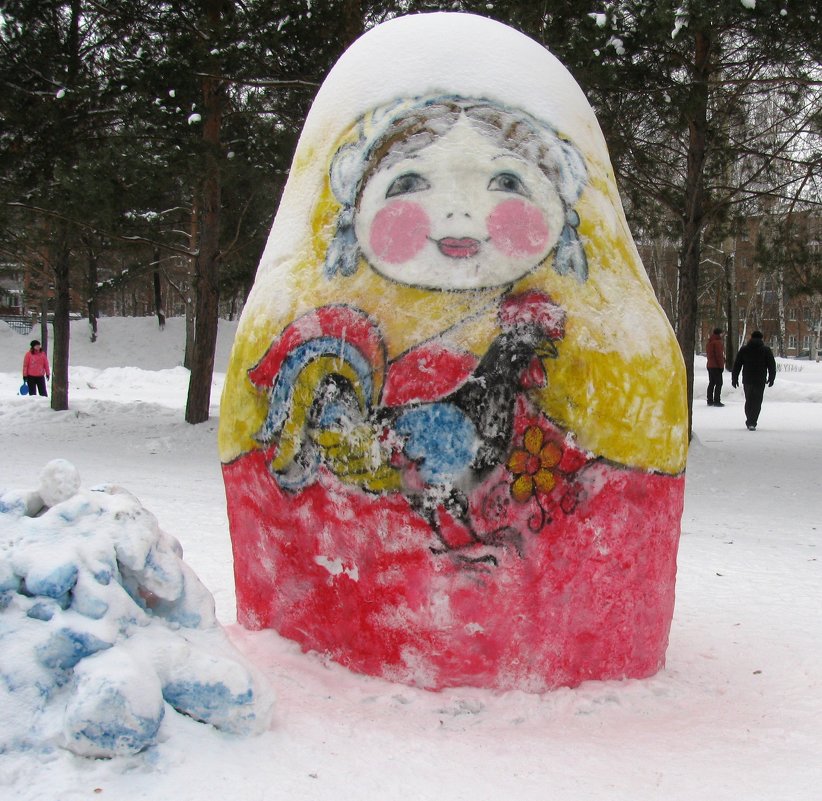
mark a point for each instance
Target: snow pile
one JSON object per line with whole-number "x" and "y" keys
{"x": 102, "y": 624}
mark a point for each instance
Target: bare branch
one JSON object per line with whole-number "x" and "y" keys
{"x": 101, "y": 232}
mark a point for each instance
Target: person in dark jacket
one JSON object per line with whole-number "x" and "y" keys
{"x": 715, "y": 350}
{"x": 755, "y": 360}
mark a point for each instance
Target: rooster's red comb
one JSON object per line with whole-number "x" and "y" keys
{"x": 533, "y": 307}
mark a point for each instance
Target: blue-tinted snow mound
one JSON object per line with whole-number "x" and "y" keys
{"x": 103, "y": 626}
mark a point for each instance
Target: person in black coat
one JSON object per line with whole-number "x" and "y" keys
{"x": 755, "y": 360}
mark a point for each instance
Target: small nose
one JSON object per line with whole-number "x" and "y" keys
{"x": 452, "y": 214}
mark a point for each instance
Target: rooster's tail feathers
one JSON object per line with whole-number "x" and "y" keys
{"x": 331, "y": 341}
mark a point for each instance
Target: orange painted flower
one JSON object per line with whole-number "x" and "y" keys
{"x": 532, "y": 465}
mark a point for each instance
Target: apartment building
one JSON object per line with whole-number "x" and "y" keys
{"x": 759, "y": 277}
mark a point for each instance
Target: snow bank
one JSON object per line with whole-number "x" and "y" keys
{"x": 103, "y": 625}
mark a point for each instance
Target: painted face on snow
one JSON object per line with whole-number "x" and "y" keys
{"x": 461, "y": 213}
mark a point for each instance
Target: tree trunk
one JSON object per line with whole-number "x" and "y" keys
{"x": 188, "y": 355}
{"x": 61, "y": 327}
{"x": 91, "y": 294}
{"x": 693, "y": 213}
{"x": 44, "y": 318}
{"x": 62, "y": 262}
{"x": 158, "y": 296}
{"x": 208, "y": 252}
{"x": 352, "y": 27}
{"x": 732, "y": 312}
{"x": 194, "y": 236}
{"x": 781, "y": 331}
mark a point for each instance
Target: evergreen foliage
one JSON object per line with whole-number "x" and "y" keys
{"x": 153, "y": 139}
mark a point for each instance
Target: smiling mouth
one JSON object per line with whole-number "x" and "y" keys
{"x": 458, "y": 248}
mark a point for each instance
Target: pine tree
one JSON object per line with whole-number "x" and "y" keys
{"x": 675, "y": 89}
{"x": 56, "y": 107}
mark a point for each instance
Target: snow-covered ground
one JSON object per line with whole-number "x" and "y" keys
{"x": 736, "y": 714}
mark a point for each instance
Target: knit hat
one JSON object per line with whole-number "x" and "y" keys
{"x": 756, "y": 335}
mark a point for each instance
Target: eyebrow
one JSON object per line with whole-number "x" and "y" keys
{"x": 510, "y": 154}
{"x": 393, "y": 159}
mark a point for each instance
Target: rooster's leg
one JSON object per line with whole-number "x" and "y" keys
{"x": 449, "y": 519}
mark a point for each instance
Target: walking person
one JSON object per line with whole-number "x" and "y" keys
{"x": 715, "y": 350}
{"x": 755, "y": 360}
{"x": 36, "y": 369}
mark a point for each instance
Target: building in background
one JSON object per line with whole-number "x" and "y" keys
{"x": 767, "y": 275}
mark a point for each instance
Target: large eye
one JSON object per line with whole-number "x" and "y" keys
{"x": 508, "y": 182}
{"x": 407, "y": 183}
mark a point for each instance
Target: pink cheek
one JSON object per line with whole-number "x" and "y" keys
{"x": 518, "y": 228}
{"x": 399, "y": 231}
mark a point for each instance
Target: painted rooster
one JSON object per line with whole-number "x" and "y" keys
{"x": 329, "y": 407}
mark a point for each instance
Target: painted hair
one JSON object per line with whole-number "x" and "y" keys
{"x": 400, "y": 129}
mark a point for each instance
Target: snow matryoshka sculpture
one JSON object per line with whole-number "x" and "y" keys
{"x": 453, "y": 430}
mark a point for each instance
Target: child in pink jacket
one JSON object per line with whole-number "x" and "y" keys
{"x": 36, "y": 369}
